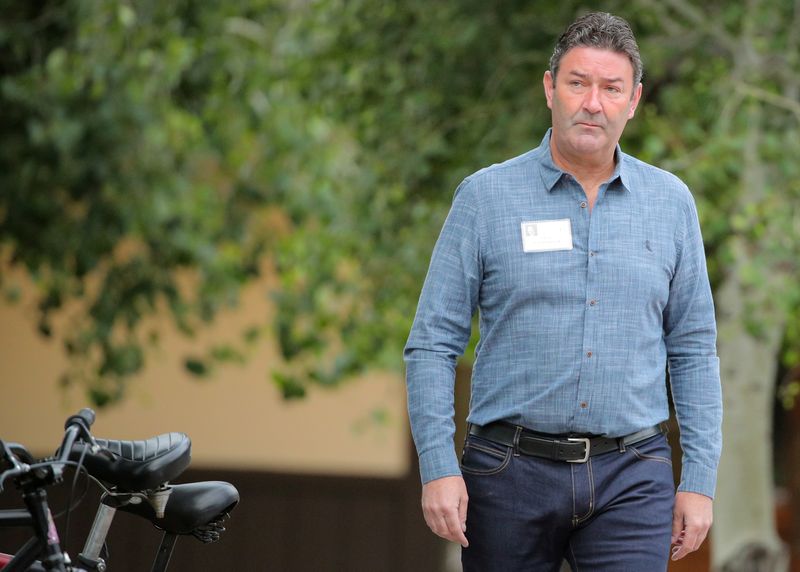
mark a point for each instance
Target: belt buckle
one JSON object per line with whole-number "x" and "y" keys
{"x": 587, "y": 443}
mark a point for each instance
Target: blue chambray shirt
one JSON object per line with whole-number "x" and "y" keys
{"x": 571, "y": 340}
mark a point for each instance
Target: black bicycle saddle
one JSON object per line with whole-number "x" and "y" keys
{"x": 137, "y": 465}
{"x": 192, "y": 508}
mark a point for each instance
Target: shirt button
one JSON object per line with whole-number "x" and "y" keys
{"x": 583, "y": 204}
{"x": 584, "y": 405}
{"x": 593, "y": 302}
{"x": 588, "y": 354}
{"x": 591, "y": 253}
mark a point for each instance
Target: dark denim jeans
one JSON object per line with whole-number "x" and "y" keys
{"x": 612, "y": 513}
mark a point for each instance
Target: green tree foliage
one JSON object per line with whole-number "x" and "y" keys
{"x": 159, "y": 155}
{"x": 725, "y": 115}
{"x": 426, "y": 93}
{"x": 723, "y": 106}
{"x": 139, "y": 154}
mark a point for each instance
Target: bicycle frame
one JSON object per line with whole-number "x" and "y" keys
{"x": 134, "y": 480}
{"x": 44, "y": 545}
{"x": 32, "y": 480}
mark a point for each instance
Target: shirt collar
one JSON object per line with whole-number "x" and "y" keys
{"x": 551, "y": 174}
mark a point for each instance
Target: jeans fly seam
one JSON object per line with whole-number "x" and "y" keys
{"x": 574, "y": 559}
{"x": 574, "y": 508}
{"x": 590, "y": 512}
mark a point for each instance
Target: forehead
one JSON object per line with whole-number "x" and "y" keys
{"x": 597, "y": 62}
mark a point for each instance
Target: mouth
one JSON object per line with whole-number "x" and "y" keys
{"x": 587, "y": 124}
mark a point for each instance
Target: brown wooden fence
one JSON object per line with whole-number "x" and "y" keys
{"x": 285, "y": 523}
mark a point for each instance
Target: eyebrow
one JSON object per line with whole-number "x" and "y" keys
{"x": 605, "y": 79}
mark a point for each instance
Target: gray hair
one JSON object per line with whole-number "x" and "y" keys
{"x": 599, "y": 30}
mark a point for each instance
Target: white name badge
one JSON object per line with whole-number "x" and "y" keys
{"x": 546, "y": 235}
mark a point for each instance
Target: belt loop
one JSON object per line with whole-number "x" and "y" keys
{"x": 517, "y": 433}
{"x": 621, "y": 444}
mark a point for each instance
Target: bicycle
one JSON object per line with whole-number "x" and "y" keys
{"x": 134, "y": 476}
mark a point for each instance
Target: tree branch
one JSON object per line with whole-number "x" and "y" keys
{"x": 769, "y": 97}
{"x": 792, "y": 82}
{"x": 794, "y": 34}
{"x": 672, "y": 26}
{"x": 701, "y": 20}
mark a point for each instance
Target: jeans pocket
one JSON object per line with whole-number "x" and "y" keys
{"x": 654, "y": 449}
{"x": 482, "y": 457}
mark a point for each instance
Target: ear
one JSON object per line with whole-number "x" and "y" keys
{"x": 637, "y": 95}
{"x": 549, "y": 87}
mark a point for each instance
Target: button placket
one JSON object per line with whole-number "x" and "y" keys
{"x": 586, "y": 375}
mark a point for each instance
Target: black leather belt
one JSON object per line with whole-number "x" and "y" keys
{"x": 571, "y": 449}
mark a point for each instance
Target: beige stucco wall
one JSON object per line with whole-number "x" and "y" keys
{"x": 236, "y": 418}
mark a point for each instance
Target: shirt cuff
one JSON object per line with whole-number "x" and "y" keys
{"x": 698, "y": 479}
{"x": 437, "y": 463}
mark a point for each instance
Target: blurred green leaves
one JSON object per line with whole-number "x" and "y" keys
{"x": 158, "y": 156}
{"x": 123, "y": 173}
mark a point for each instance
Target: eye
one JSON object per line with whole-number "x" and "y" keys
{"x": 613, "y": 89}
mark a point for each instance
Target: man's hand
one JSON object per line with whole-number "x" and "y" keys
{"x": 691, "y": 519}
{"x": 444, "y": 505}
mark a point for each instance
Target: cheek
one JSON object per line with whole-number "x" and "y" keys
{"x": 621, "y": 114}
{"x": 562, "y": 108}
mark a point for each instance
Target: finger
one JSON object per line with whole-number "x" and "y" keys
{"x": 437, "y": 522}
{"x": 690, "y": 542}
{"x": 692, "y": 539}
{"x": 677, "y": 527}
{"x": 462, "y": 512}
{"x": 679, "y": 552}
{"x": 443, "y": 528}
{"x": 454, "y": 524}
{"x": 440, "y": 524}
{"x": 700, "y": 532}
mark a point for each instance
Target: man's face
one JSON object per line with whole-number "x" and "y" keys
{"x": 591, "y": 100}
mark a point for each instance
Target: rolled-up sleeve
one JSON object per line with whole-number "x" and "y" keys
{"x": 690, "y": 338}
{"x": 440, "y": 333}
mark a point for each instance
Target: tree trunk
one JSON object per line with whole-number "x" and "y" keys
{"x": 744, "y": 534}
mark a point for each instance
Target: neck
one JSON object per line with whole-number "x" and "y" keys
{"x": 591, "y": 169}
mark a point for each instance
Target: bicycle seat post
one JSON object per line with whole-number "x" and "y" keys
{"x": 89, "y": 558}
{"x": 164, "y": 552}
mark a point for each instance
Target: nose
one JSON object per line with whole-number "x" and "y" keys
{"x": 591, "y": 102}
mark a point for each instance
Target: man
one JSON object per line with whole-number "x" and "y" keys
{"x": 588, "y": 271}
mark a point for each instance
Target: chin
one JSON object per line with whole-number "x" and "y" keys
{"x": 589, "y": 144}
